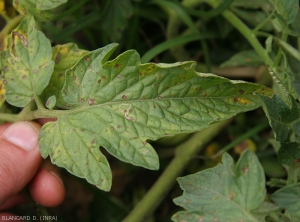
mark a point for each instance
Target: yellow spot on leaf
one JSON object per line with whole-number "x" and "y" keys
{"x": 243, "y": 100}
{"x": 2, "y": 93}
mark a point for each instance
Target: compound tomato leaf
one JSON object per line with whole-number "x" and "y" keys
{"x": 26, "y": 64}
{"x": 120, "y": 104}
{"x": 65, "y": 56}
{"x": 238, "y": 189}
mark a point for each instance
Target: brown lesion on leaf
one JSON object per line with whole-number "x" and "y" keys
{"x": 91, "y": 102}
{"x": 22, "y": 38}
{"x": 57, "y": 58}
{"x": 242, "y": 91}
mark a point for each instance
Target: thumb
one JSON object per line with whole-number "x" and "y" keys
{"x": 19, "y": 157}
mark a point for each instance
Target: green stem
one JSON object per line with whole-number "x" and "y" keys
{"x": 245, "y": 31}
{"x": 279, "y": 53}
{"x": 39, "y": 102}
{"x": 184, "y": 153}
{"x": 11, "y": 25}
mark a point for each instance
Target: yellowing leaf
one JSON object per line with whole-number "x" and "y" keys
{"x": 26, "y": 64}
{"x": 2, "y": 93}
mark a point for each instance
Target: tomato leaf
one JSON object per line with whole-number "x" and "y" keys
{"x": 120, "y": 104}
{"x": 288, "y": 198}
{"x": 26, "y": 64}
{"x": 115, "y": 16}
{"x": 243, "y": 58}
{"x": 210, "y": 194}
{"x": 40, "y": 9}
{"x": 288, "y": 9}
{"x": 65, "y": 56}
{"x": 281, "y": 116}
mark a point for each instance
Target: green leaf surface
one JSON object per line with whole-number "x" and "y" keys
{"x": 288, "y": 198}
{"x": 40, "y": 9}
{"x": 281, "y": 116}
{"x": 294, "y": 75}
{"x": 243, "y": 58}
{"x": 288, "y": 9}
{"x": 115, "y": 18}
{"x": 120, "y": 104}
{"x": 65, "y": 56}
{"x": 50, "y": 104}
{"x": 210, "y": 194}
{"x": 48, "y": 4}
{"x": 289, "y": 152}
{"x": 26, "y": 64}
{"x": 265, "y": 210}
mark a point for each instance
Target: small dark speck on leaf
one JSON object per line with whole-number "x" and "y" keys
{"x": 87, "y": 58}
{"x": 119, "y": 76}
{"x": 4, "y": 82}
{"x": 91, "y": 101}
{"x": 24, "y": 77}
{"x": 159, "y": 97}
{"x": 235, "y": 99}
{"x": 241, "y": 91}
{"x": 117, "y": 65}
{"x": 124, "y": 97}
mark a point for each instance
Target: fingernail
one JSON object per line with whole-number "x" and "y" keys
{"x": 58, "y": 177}
{"x": 22, "y": 134}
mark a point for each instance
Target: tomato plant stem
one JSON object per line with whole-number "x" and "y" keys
{"x": 184, "y": 153}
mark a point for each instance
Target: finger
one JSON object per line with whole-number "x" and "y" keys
{"x": 20, "y": 157}
{"x": 14, "y": 201}
{"x": 47, "y": 188}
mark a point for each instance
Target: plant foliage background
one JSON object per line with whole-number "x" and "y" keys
{"x": 116, "y": 76}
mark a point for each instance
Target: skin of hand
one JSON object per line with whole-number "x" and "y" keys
{"x": 21, "y": 164}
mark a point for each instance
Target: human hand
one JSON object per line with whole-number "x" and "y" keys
{"x": 21, "y": 164}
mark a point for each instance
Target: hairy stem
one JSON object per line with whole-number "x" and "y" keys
{"x": 184, "y": 153}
